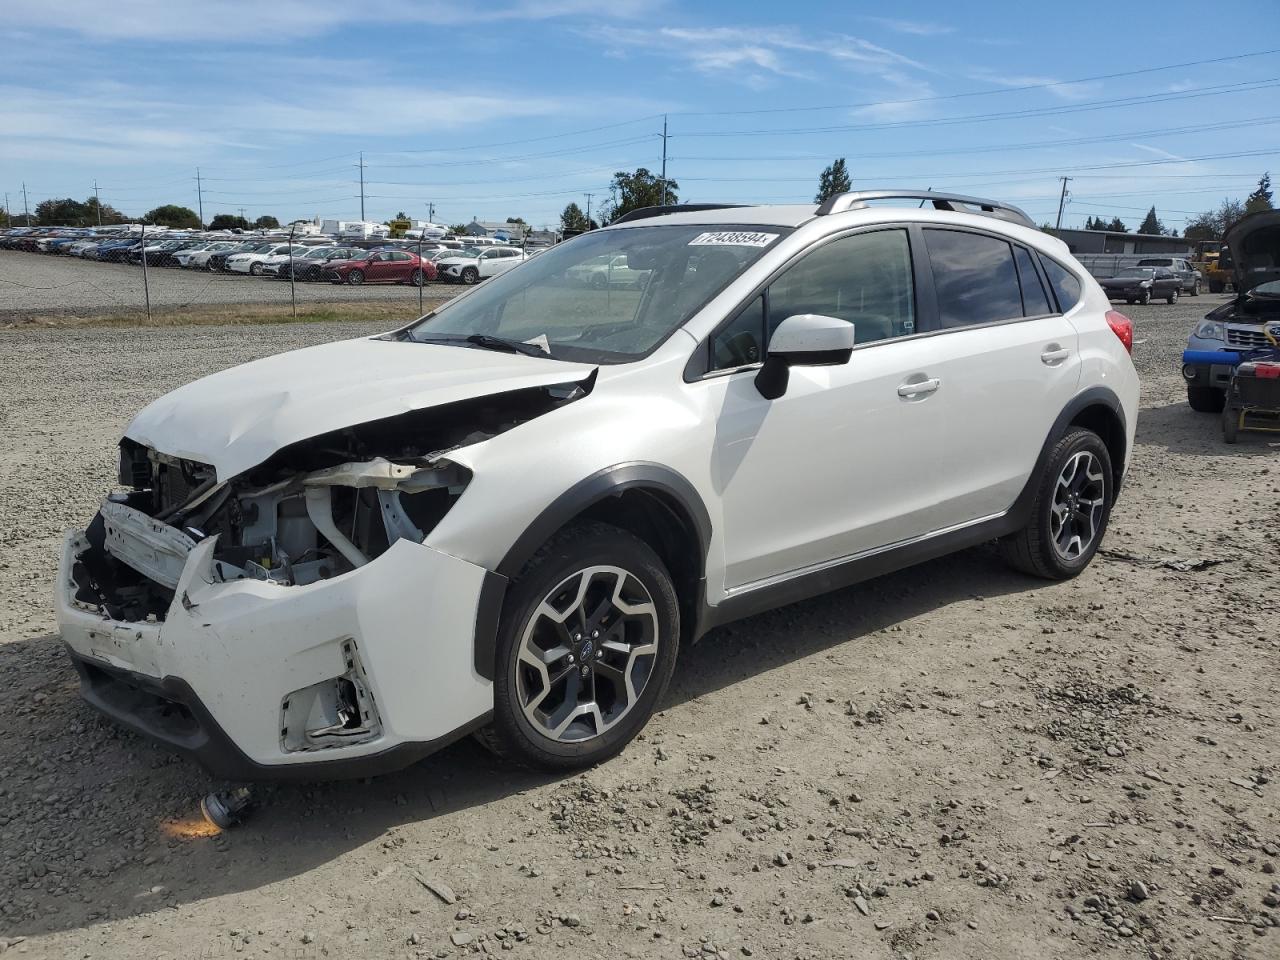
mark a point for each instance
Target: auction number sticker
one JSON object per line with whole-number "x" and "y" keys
{"x": 734, "y": 239}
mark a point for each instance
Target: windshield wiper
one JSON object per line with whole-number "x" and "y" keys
{"x": 488, "y": 342}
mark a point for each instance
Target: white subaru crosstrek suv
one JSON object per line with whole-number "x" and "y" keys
{"x": 507, "y": 516}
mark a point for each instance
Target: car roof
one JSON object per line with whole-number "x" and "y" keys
{"x": 777, "y": 215}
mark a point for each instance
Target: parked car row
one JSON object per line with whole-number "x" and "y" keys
{"x": 310, "y": 259}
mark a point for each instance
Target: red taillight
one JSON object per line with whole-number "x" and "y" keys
{"x": 1122, "y": 327}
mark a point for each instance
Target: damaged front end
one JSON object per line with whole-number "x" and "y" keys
{"x": 313, "y": 511}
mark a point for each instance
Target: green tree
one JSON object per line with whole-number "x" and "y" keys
{"x": 519, "y": 220}
{"x": 172, "y": 215}
{"x": 573, "y": 220}
{"x": 228, "y": 221}
{"x": 1151, "y": 224}
{"x": 1212, "y": 224}
{"x": 1115, "y": 226}
{"x": 1203, "y": 227}
{"x": 458, "y": 229}
{"x": 833, "y": 181}
{"x": 266, "y": 223}
{"x": 1260, "y": 199}
{"x": 638, "y": 190}
{"x": 62, "y": 213}
{"x": 109, "y": 214}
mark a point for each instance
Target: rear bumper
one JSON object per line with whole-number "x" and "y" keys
{"x": 215, "y": 679}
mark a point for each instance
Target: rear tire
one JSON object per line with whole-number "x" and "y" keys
{"x": 1216, "y": 286}
{"x": 1206, "y": 399}
{"x": 1070, "y": 510}
{"x": 612, "y": 598}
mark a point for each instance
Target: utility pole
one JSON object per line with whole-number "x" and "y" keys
{"x": 8, "y": 214}
{"x": 431, "y": 212}
{"x": 98, "y": 201}
{"x": 664, "y": 159}
{"x": 361, "y": 165}
{"x": 242, "y": 213}
{"x": 588, "y": 196}
{"x": 26, "y": 211}
{"x": 200, "y": 197}
{"x": 1062, "y": 201}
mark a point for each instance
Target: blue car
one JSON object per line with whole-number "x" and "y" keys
{"x": 1251, "y": 251}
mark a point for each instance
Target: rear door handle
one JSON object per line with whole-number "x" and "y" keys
{"x": 919, "y": 388}
{"x": 1054, "y": 354}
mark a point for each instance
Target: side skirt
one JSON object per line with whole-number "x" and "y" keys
{"x": 856, "y": 569}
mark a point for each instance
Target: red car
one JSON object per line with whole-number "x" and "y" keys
{"x": 382, "y": 266}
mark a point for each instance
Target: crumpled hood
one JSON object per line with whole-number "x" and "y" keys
{"x": 1254, "y": 242}
{"x": 238, "y": 418}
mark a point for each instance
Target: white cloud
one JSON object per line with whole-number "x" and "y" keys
{"x": 1070, "y": 92}
{"x": 280, "y": 21}
{"x": 753, "y": 56}
{"x": 915, "y": 28}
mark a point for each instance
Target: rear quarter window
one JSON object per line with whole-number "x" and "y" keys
{"x": 1066, "y": 286}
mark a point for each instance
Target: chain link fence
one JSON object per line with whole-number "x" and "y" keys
{"x": 161, "y": 277}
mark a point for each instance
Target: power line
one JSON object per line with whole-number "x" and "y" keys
{"x": 1003, "y": 147}
{"x": 1269, "y": 151}
{"x": 1142, "y": 100}
{"x": 1022, "y": 88}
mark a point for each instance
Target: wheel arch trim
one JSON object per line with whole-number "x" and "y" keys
{"x": 586, "y": 493}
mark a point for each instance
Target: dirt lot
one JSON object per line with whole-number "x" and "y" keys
{"x": 950, "y": 762}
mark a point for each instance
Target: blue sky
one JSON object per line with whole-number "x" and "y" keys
{"x": 497, "y": 108}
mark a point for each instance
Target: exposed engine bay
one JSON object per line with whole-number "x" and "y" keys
{"x": 313, "y": 510}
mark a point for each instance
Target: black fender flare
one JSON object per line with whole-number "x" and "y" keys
{"x": 1020, "y": 511}
{"x": 607, "y": 482}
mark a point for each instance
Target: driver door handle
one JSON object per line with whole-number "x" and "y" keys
{"x": 919, "y": 388}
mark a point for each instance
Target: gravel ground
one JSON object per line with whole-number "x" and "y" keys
{"x": 34, "y": 284}
{"x": 950, "y": 762}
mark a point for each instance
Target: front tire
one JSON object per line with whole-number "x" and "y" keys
{"x": 1145, "y": 298}
{"x": 255, "y": 269}
{"x": 1070, "y": 511}
{"x": 1195, "y": 289}
{"x": 470, "y": 276}
{"x": 1173, "y": 296}
{"x": 1206, "y": 399}
{"x": 587, "y": 643}
{"x": 355, "y": 278}
{"x": 1230, "y": 424}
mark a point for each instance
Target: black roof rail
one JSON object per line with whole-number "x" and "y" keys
{"x": 857, "y": 200}
{"x": 644, "y": 213}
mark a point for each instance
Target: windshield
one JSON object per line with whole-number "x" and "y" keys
{"x": 674, "y": 270}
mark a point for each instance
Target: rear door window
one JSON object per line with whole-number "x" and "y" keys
{"x": 974, "y": 277}
{"x": 1035, "y": 302}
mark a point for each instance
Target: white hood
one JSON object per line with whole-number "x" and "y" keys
{"x": 238, "y": 418}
